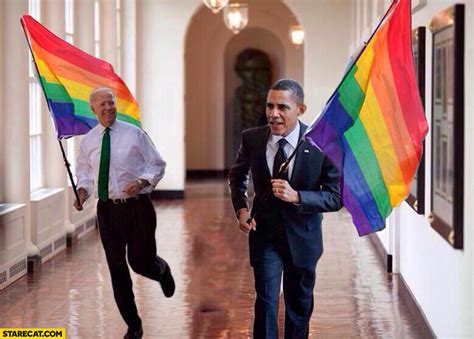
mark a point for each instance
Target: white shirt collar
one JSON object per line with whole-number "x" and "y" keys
{"x": 292, "y": 138}
{"x": 112, "y": 127}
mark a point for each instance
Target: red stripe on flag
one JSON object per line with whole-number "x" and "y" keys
{"x": 62, "y": 49}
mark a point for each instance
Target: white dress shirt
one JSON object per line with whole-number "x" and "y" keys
{"x": 272, "y": 148}
{"x": 132, "y": 156}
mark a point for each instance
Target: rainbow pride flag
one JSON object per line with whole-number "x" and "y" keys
{"x": 373, "y": 125}
{"x": 68, "y": 75}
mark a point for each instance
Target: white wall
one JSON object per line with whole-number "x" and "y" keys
{"x": 108, "y": 32}
{"x": 328, "y": 34}
{"x": 440, "y": 277}
{"x": 209, "y": 64}
{"x": 161, "y": 29}
{"x": 128, "y": 34}
{"x": 161, "y": 56}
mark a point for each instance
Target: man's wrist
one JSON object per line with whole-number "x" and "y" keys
{"x": 142, "y": 183}
{"x": 297, "y": 199}
{"x": 240, "y": 211}
{"x": 83, "y": 194}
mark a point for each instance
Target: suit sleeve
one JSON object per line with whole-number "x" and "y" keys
{"x": 239, "y": 178}
{"x": 327, "y": 199}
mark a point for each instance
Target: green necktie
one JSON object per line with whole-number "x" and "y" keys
{"x": 104, "y": 166}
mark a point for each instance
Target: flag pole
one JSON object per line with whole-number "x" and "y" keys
{"x": 68, "y": 168}
{"x": 66, "y": 162}
{"x": 283, "y": 169}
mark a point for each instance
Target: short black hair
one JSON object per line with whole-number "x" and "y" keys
{"x": 290, "y": 85}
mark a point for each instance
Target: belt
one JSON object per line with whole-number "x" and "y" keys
{"x": 123, "y": 200}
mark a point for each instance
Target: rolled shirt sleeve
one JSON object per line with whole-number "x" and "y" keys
{"x": 84, "y": 171}
{"x": 154, "y": 164}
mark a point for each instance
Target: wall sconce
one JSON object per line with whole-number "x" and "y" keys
{"x": 215, "y": 5}
{"x": 236, "y": 17}
{"x": 297, "y": 35}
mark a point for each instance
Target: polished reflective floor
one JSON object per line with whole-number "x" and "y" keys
{"x": 354, "y": 297}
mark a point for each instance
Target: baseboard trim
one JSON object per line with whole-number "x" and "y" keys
{"x": 167, "y": 194}
{"x": 386, "y": 258}
{"x": 206, "y": 174}
{"x": 414, "y": 308}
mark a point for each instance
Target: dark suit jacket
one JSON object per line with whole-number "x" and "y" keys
{"x": 314, "y": 177}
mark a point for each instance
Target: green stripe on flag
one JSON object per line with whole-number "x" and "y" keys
{"x": 82, "y": 108}
{"x": 351, "y": 96}
{"x": 129, "y": 119}
{"x": 55, "y": 92}
{"x": 363, "y": 152}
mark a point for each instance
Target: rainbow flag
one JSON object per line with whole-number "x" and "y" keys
{"x": 373, "y": 125}
{"x": 68, "y": 75}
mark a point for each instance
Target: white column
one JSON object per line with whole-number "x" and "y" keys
{"x": 374, "y": 14}
{"x": 54, "y": 169}
{"x": 84, "y": 25}
{"x": 55, "y": 172}
{"x": 15, "y": 134}
{"x": 358, "y": 4}
{"x": 364, "y": 15}
{"x": 161, "y": 27}
{"x": 83, "y": 39}
{"x": 353, "y": 45}
{"x": 108, "y": 31}
{"x": 128, "y": 31}
{"x": 83, "y": 35}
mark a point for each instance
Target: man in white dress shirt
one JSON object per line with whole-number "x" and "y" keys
{"x": 118, "y": 162}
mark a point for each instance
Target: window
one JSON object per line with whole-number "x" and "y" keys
{"x": 36, "y": 156}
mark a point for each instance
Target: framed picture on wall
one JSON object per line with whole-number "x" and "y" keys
{"x": 447, "y": 142}
{"x": 416, "y": 197}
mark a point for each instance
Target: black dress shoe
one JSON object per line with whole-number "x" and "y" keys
{"x": 134, "y": 333}
{"x": 167, "y": 282}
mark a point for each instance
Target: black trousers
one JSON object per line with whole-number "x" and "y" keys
{"x": 298, "y": 285}
{"x": 129, "y": 228}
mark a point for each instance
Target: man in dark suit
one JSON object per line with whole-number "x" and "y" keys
{"x": 285, "y": 237}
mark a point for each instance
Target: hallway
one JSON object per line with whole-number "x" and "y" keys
{"x": 214, "y": 297}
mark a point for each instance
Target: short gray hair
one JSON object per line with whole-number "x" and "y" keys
{"x": 290, "y": 85}
{"x": 97, "y": 90}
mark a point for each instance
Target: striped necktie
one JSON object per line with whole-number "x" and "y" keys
{"x": 280, "y": 158}
{"x": 103, "y": 186}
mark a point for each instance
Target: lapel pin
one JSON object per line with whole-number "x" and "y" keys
{"x": 306, "y": 151}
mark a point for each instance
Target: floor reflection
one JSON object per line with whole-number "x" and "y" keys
{"x": 214, "y": 296}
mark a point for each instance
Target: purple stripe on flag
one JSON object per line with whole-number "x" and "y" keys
{"x": 355, "y": 185}
{"x": 358, "y": 216}
{"x": 333, "y": 150}
{"x": 66, "y": 123}
{"x": 334, "y": 115}
{"x": 355, "y": 191}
